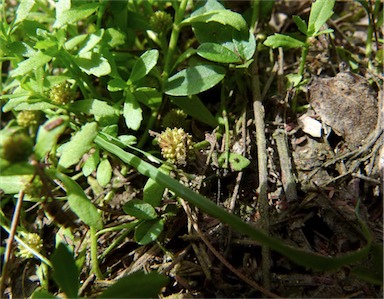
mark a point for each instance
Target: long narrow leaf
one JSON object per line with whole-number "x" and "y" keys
{"x": 299, "y": 256}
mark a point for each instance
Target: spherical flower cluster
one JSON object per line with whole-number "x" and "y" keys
{"x": 175, "y": 118}
{"x": 27, "y": 118}
{"x": 17, "y": 148}
{"x": 32, "y": 240}
{"x": 176, "y": 145}
{"x": 61, "y": 94}
{"x": 161, "y": 22}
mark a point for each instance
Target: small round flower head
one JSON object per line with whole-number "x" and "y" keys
{"x": 61, "y": 94}
{"x": 27, "y": 118}
{"x": 17, "y": 148}
{"x": 161, "y": 22}
{"x": 175, "y": 145}
{"x": 32, "y": 240}
{"x": 175, "y": 118}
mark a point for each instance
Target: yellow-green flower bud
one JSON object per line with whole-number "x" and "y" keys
{"x": 32, "y": 240}
{"x": 28, "y": 118}
{"x": 17, "y": 148}
{"x": 176, "y": 145}
{"x": 61, "y": 94}
{"x": 161, "y": 22}
{"x": 176, "y": 118}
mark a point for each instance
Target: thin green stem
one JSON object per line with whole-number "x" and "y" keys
{"x": 149, "y": 126}
{"x": 304, "y": 54}
{"x": 226, "y": 127}
{"x": 179, "y": 15}
{"x": 94, "y": 260}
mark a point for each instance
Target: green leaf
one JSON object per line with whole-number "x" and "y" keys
{"x": 93, "y": 64}
{"x": 194, "y": 80}
{"x": 137, "y": 285}
{"x": 236, "y": 161}
{"x": 150, "y": 97}
{"x": 48, "y": 135}
{"x": 65, "y": 272}
{"x": 300, "y": 23}
{"x": 153, "y": 193}
{"x": 42, "y": 294}
{"x": 321, "y": 11}
{"x": 67, "y": 15}
{"x": 244, "y": 43}
{"x": 114, "y": 37}
{"x": 148, "y": 231}
{"x": 26, "y": 66}
{"x": 144, "y": 65}
{"x": 128, "y": 139}
{"x": 92, "y": 41}
{"x": 140, "y": 209}
{"x": 104, "y": 173}
{"x": 91, "y": 163}
{"x": 79, "y": 144}
{"x": 194, "y": 107}
{"x": 217, "y": 53}
{"x": 326, "y": 31}
{"x": 103, "y": 112}
{"x": 371, "y": 269}
{"x": 116, "y": 84}
{"x": 78, "y": 201}
{"x": 23, "y": 10}
{"x": 225, "y": 17}
{"x": 14, "y": 183}
{"x": 280, "y": 40}
{"x": 132, "y": 112}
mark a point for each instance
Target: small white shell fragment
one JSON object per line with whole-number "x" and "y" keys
{"x": 310, "y": 126}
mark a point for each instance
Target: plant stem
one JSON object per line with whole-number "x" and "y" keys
{"x": 94, "y": 260}
{"x": 304, "y": 54}
{"x": 8, "y": 248}
{"x": 262, "y": 202}
{"x": 179, "y": 15}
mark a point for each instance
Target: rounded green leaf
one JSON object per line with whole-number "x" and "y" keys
{"x": 280, "y": 40}
{"x": 217, "y": 53}
{"x": 194, "y": 80}
{"x": 225, "y": 17}
{"x": 140, "y": 209}
{"x": 78, "y": 200}
{"x": 148, "y": 231}
{"x": 90, "y": 164}
{"x": 104, "y": 173}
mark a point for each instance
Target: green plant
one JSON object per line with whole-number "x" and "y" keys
{"x": 321, "y": 11}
